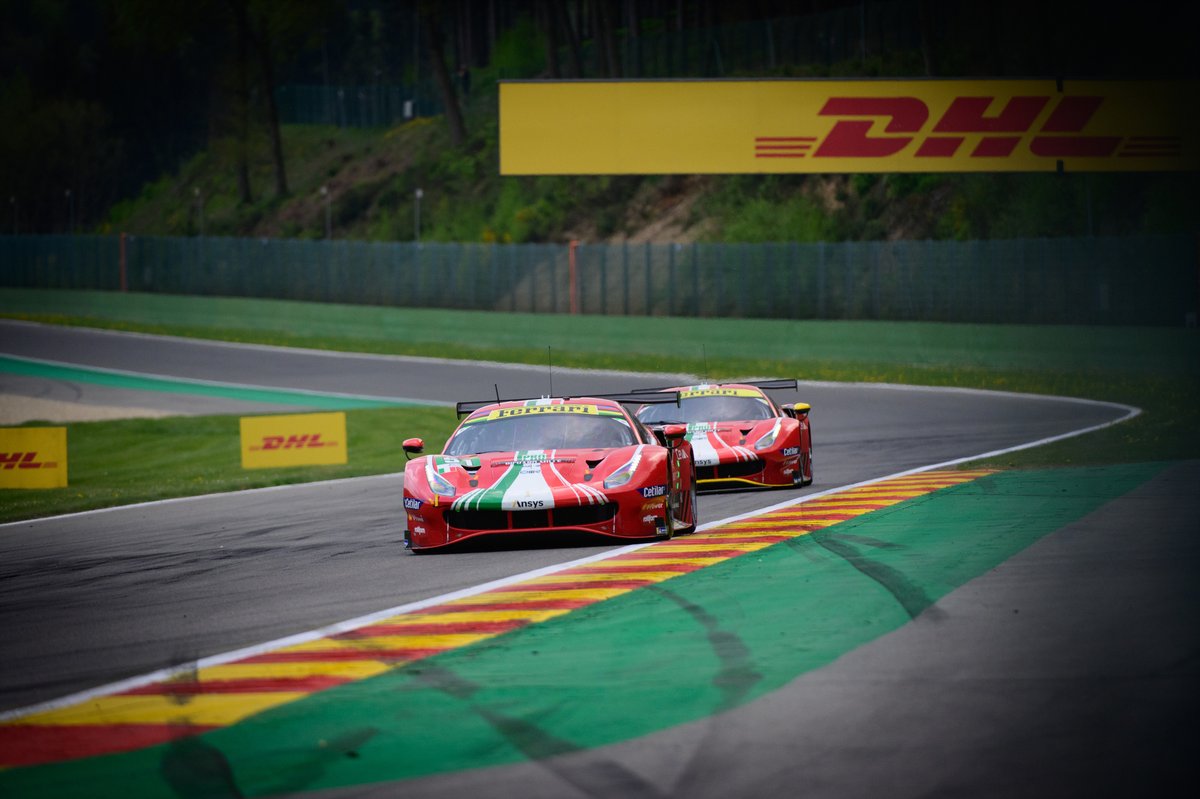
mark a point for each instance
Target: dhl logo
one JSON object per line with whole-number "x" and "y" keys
{"x": 24, "y": 460}
{"x": 306, "y": 441}
{"x": 1054, "y": 127}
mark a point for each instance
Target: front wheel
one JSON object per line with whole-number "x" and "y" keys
{"x": 695, "y": 511}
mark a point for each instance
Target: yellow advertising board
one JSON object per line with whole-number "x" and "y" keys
{"x": 33, "y": 457}
{"x": 305, "y": 439}
{"x": 836, "y": 126}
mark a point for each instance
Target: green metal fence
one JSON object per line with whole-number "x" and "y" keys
{"x": 1145, "y": 280}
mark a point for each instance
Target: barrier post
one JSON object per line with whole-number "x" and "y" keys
{"x": 574, "y": 289}
{"x": 124, "y": 281}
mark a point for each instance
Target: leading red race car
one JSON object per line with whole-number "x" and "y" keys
{"x": 551, "y": 464}
{"x": 739, "y": 435}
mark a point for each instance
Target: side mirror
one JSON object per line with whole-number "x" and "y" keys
{"x": 413, "y": 446}
{"x": 801, "y": 409}
{"x": 674, "y": 432}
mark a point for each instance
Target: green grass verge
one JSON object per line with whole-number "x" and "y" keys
{"x": 138, "y": 460}
{"x": 1156, "y": 369}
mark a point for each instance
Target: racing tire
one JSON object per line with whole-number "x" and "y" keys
{"x": 694, "y": 509}
{"x": 669, "y": 514}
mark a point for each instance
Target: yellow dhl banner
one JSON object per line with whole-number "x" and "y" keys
{"x": 832, "y": 126}
{"x": 306, "y": 439}
{"x": 33, "y": 457}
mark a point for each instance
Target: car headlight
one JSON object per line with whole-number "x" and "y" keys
{"x": 620, "y": 477}
{"x": 440, "y": 485}
{"x": 769, "y": 439}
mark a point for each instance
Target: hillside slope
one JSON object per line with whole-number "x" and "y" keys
{"x": 362, "y": 184}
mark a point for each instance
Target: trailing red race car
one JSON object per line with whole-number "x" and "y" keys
{"x": 551, "y": 464}
{"x": 739, "y": 435}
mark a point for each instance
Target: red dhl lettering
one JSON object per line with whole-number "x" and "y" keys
{"x": 1001, "y": 123}
{"x": 24, "y": 460}
{"x": 305, "y": 441}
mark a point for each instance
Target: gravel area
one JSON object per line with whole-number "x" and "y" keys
{"x": 16, "y": 409}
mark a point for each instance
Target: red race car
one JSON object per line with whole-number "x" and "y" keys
{"x": 739, "y": 435}
{"x": 551, "y": 464}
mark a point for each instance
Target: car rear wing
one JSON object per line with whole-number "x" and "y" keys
{"x": 769, "y": 385}
{"x": 464, "y": 408}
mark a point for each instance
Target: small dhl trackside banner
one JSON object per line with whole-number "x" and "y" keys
{"x": 306, "y": 439}
{"x": 830, "y": 126}
{"x": 33, "y": 457}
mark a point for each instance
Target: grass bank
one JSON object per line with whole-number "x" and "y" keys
{"x": 1156, "y": 369}
{"x": 186, "y": 456}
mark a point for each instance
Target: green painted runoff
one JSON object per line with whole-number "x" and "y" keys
{"x": 657, "y": 657}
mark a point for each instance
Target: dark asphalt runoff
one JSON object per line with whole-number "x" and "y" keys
{"x": 93, "y": 598}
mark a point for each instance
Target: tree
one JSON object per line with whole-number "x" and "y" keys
{"x": 261, "y": 37}
{"x": 434, "y": 40}
{"x": 241, "y": 36}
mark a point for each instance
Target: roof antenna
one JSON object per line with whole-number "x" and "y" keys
{"x": 550, "y": 363}
{"x": 497, "y": 387}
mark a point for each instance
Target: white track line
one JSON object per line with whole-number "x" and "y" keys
{"x": 193, "y": 381}
{"x": 368, "y": 356}
{"x": 1130, "y": 412}
{"x": 362, "y": 621}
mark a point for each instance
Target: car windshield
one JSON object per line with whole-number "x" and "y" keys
{"x": 708, "y": 409}
{"x": 560, "y": 431}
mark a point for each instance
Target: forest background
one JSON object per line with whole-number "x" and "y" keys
{"x": 378, "y": 120}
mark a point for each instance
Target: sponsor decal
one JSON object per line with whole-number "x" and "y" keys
{"x": 653, "y": 491}
{"x": 307, "y": 439}
{"x": 301, "y": 441}
{"x": 24, "y": 460}
{"x": 524, "y": 485}
{"x": 718, "y": 392}
{"x": 654, "y": 505}
{"x": 504, "y": 413}
{"x": 412, "y": 503}
{"x": 790, "y": 451}
{"x": 446, "y": 463}
{"x": 1003, "y": 122}
{"x": 802, "y": 126}
{"x": 649, "y": 519}
{"x": 33, "y": 457}
{"x": 532, "y": 460}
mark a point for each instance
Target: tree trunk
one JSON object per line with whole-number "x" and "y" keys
{"x": 599, "y": 42}
{"x": 437, "y": 56}
{"x": 550, "y": 29}
{"x": 559, "y": 16}
{"x": 925, "y": 12}
{"x": 633, "y": 24}
{"x": 262, "y": 41}
{"x": 608, "y": 21}
{"x": 241, "y": 35}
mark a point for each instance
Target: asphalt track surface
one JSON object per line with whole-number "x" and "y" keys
{"x": 89, "y": 599}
